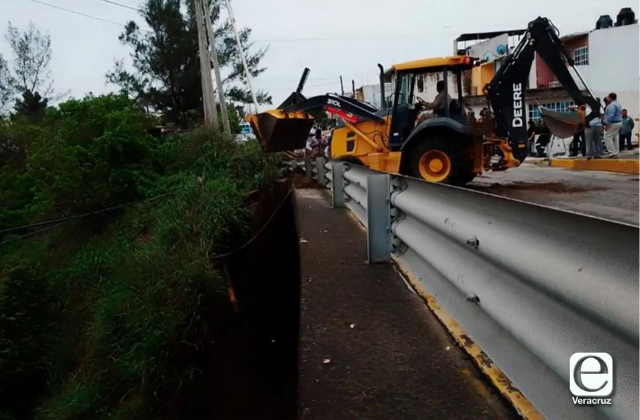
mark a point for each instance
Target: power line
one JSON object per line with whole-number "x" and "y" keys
{"x": 306, "y": 86}
{"x": 355, "y": 37}
{"x": 292, "y": 79}
{"x": 35, "y": 232}
{"x": 78, "y": 13}
{"x": 122, "y": 5}
{"x": 81, "y": 216}
{"x": 254, "y": 237}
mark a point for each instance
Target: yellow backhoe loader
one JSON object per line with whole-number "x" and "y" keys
{"x": 443, "y": 144}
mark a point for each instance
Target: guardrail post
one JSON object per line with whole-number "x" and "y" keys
{"x": 320, "y": 171}
{"x": 337, "y": 184}
{"x": 378, "y": 218}
{"x": 307, "y": 166}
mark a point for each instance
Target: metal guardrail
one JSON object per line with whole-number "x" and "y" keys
{"x": 529, "y": 284}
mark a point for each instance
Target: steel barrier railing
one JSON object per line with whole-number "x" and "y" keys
{"x": 529, "y": 284}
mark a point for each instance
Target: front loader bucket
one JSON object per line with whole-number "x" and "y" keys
{"x": 279, "y": 131}
{"x": 562, "y": 124}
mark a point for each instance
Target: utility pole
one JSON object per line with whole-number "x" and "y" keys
{"x": 216, "y": 66}
{"x": 208, "y": 101}
{"x": 232, "y": 21}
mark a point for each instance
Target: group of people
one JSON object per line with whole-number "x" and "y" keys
{"x": 613, "y": 126}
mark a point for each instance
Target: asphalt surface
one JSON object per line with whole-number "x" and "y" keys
{"x": 369, "y": 347}
{"x": 606, "y": 195}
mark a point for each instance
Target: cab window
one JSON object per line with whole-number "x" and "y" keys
{"x": 406, "y": 89}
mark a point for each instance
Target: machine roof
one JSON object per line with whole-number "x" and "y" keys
{"x": 487, "y": 35}
{"x": 433, "y": 64}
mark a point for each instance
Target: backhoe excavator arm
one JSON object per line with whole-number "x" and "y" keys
{"x": 507, "y": 89}
{"x": 287, "y": 127}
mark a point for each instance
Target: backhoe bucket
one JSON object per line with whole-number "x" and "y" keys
{"x": 562, "y": 124}
{"x": 279, "y": 131}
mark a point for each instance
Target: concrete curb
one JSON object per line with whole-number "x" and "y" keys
{"x": 623, "y": 166}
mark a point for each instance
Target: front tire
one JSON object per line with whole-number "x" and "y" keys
{"x": 440, "y": 161}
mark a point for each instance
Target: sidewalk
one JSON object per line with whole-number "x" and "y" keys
{"x": 369, "y": 347}
{"x": 626, "y": 163}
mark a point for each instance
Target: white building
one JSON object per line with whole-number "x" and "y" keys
{"x": 372, "y": 94}
{"x": 607, "y": 59}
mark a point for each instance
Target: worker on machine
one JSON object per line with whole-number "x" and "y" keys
{"x": 440, "y": 101}
{"x": 436, "y": 107}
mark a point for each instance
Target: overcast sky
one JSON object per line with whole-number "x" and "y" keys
{"x": 331, "y": 37}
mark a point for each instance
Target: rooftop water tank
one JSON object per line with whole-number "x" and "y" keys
{"x": 604, "y": 22}
{"x": 625, "y": 17}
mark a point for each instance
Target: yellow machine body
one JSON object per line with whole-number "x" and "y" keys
{"x": 366, "y": 143}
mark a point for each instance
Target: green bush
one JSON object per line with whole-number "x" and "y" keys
{"x": 102, "y": 316}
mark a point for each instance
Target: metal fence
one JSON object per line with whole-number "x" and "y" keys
{"x": 529, "y": 284}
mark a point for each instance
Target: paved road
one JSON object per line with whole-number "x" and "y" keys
{"x": 369, "y": 346}
{"x": 602, "y": 194}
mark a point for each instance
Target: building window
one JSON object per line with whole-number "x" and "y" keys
{"x": 581, "y": 56}
{"x": 534, "y": 111}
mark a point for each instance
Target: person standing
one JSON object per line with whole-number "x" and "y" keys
{"x": 543, "y": 141}
{"x": 578, "y": 144}
{"x": 625, "y": 130}
{"x": 531, "y": 135}
{"x": 317, "y": 144}
{"x": 593, "y": 136}
{"x": 612, "y": 124}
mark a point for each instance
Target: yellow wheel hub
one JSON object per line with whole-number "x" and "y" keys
{"x": 435, "y": 166}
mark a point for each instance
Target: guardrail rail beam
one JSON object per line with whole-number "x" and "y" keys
{"x": 378, "y": 218}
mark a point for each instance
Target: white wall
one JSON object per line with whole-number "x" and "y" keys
{"x": 613, "y": 60}
{"x": 613, "y": 66}
{"x": 371, "y": 93}
{"x": 430, "y": 82}
{"x": 533, "y": 74}
{"x": 489, "y": 48}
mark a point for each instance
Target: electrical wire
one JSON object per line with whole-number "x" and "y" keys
{"x": 81, "y": 216}
{"x": 331, "y": 39}
{"x": 355, "y": 37}
{"x": 122, "y": 5}
{"x": 342, "y": 38}
{"x": 254, "y": 237}
{"x": 78, "y": 13}
{"x": 26, "y": 235}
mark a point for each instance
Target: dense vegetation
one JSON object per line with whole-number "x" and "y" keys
{"x": 102, "y": 316}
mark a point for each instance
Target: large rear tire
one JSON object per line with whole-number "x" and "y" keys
{"x": 440, "y": 161}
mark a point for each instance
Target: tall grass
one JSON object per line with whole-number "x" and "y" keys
{"x": 104, "y": 318}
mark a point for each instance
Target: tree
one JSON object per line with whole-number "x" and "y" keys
{"x": 166, "y": 63}
{"x": 6, "y": 86}
{"x": 31, "y": 59}
{"x": 32, "y": 106}
{"x": 321, "y": 118}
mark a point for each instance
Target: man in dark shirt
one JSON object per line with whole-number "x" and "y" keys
{"x": 578, "y": 144}
{"x": 625, "y": 130}
{"x": 543, "y": 140}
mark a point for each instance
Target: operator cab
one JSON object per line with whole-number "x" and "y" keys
{"x": 413, "y": 81}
